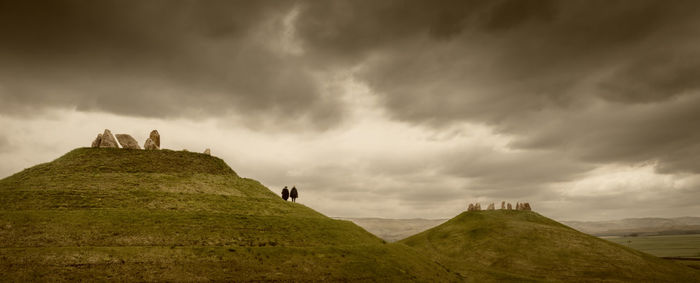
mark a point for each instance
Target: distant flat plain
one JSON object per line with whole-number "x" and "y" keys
{"x": 663, "y": 246}
{"x": 683, "y": 249}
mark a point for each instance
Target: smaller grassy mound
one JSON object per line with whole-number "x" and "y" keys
{"x": 525, "y": 246}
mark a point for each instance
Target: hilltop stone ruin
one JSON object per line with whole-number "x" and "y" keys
{"x": 153, "y": 141}
{"x": 106, "y": 139}
{"x": 127, "y": 141}
{"x": 150, "y": 145}
{"x": 474, "y": 207}
{"x": 155, "y": 137}
{"x": 97, "y": 141}
{"x": 504, "y": 206}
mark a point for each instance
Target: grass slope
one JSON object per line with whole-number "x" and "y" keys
{"x": 101, "y": 214}
{"x": 525, "y": 246}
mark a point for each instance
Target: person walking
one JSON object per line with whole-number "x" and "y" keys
{"x": 285, "y": 193}
{"x": 294, "y": 194}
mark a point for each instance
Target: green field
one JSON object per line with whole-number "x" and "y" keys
{"x": 663, "y": 246}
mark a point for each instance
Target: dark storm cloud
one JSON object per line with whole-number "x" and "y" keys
{"x": 654, "y": 78}
{"x": 522, "y": 65}
{"x": 488, "y": 63}
{"x": 574, "y": 85}
{"x": 156, "y": 59}
{"x": 664, "y": 133}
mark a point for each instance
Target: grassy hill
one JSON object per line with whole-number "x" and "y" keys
{"x": 115, "y": 214}
{"x": 101, "y": 214}
{"x": 525, "y": 246}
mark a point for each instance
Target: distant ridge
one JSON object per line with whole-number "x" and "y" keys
{"x": 639, "y": 226}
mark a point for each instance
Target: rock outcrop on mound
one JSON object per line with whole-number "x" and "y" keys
{"x": 127, "y": 141}
{"x": 150, "y": 145}
{"x": 97, "y": 141}
{"x": 523, "y": 206}
{"x": 155, "y": 137}
{"x": 207, "y": 151}
{"x": 108, "y": 140}
{"x": 474, "y": 207}
{"x": 504, "y": 206}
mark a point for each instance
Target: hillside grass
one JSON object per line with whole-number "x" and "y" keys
{"x": 115, "y": 214}
{"x": 525, "y": 246}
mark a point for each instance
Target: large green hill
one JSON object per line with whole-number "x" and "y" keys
{"x": 526, "y": 246}
{"x": 101, "y": 214}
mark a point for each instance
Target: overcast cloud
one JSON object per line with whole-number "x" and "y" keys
{"x": 377, "y": 108}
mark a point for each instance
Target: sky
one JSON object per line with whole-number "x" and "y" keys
{"x": 588, "y": 110}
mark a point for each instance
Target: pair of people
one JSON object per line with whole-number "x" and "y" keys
{"x": 287, "y": 194}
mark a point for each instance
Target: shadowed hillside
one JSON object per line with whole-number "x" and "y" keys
{"x": 523, "y": 245}
{"x": 101, "y": 214}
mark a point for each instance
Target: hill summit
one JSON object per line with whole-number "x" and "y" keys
{"x": 136, "y": 215}
{"x": 523, "y": 245}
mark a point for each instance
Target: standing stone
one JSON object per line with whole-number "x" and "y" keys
{"x": 491, "y": 207}
{"x": 150, "y": 145}
{"x": 526, "y": 206}
{"x": 155, "y": 137}
{"x": 207, "y": 151}
{"x": 510, "y": 207}
{"x": 517, "y": 206}
{"x": 108, "y": 140}
{"x": 471, "y": 207}
{"x": 127, "y": 141}
{"x": 477, "y": 207}
{"x": 503, "y": 205}
{"x": 96, "y": 142}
